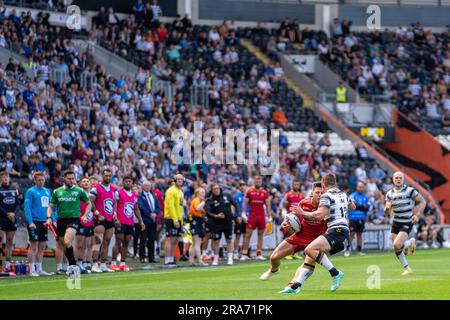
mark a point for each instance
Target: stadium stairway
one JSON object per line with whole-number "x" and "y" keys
{"x": 383, "y": 159}
{"x": 307, "y": 100}
{"x": 116, "y": 66}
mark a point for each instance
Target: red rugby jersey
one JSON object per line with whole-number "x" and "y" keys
{"x": 311, "y": 229}
{"x": 293, "y": 198}
{"x": 256, "y": 200}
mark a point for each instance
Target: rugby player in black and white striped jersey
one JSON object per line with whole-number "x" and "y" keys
{"x": 404, "y": 204}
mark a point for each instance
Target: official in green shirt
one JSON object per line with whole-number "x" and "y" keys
{"x": 67, "y": 201}
{"x": 341, "y": 93}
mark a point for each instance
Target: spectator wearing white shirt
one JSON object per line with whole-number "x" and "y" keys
{"x": 264, "y": 83}
{"x": 431, "y": 107}
{"x": 360, "y": 172}
{"x": 371, "y": 188}
{"x": 213, "y": 35}
{"x": 377, "y": 68}
{"x": 415, "y": 87}
{"x": 401, "y": 31}
{"x": 350, "y": 40}
{"x": 323, "y": 48}
{"x": 156, "y": 12}
{"x": 38, "y": 122}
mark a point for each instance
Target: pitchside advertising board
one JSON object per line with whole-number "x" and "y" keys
{"x": 375, "y": 134}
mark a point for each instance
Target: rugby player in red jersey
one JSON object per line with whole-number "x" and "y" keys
{"x": 256, "y": 197}
{"x": 291, "y": 199}
{"x": 298, "y": 241}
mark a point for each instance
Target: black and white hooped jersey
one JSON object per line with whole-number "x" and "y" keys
{"x": 402, "y": 203}
{"x": 337, "y": 203}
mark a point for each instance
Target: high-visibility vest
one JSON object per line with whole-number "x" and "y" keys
{"x": 149, "y": 83}
{"x": 341, "y": 94}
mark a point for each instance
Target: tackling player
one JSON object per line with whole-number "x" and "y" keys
{"x": 102, "y": 198}
{"x": 127, "y": 208}
{"x": 310, "y": 230}
{"x": 292, "y": 197}
{"x": 37, "y": 199}
{"x": 400, "y": 203}
{"x": 333, "y": 207}
{"x": 85, "y": 232}
{"x": 9, "y": 201}
{"x": 67, "y": 200}
{"x": 256, "y": 197}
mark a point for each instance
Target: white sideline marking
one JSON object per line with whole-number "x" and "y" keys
{"x": 121, "y": 275}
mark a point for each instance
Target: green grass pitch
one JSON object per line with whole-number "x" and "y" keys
{"x": 431, "y": 280}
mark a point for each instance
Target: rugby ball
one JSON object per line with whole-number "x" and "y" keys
{"x": 293, "y": 221}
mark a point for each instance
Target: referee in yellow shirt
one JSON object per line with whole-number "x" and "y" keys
{"x": 173, "y": 217}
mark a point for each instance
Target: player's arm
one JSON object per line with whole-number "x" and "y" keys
{"x": 388, "y": 206}
{"x": 268, "y": 209}
{"x": 86, "y": 200}
{"x": 244, "y": 209}
{"x": 139, "y": 217}
{"x": 200, "y": 205}
{"x": 352, "y": 206}
{"x": 419, "y": 200}
{"x": 27, "y": 209}
{"x": 93, "y": 197}
{"x": 234, "y": 205}
{"x": 284, "y": 206}
{"x": 50, "y": 212}
{"x": 171, "y": 206}
{"x": 116, "y": 200}
{"x": 319, "y": 214}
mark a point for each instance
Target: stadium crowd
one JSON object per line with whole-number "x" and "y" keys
{"x": 50, "y": 123}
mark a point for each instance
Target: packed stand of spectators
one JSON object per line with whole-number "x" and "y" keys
{"x": 410, "y": 67}
{"x": 49, "y": 5}
{"x": 127, "y": 127}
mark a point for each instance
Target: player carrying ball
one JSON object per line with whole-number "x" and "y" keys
{"x": 298, "y": 241}
{"x": 333, "y": 207}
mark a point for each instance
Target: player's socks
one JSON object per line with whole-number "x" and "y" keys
{"x": 38, "y": 267}
{"x": 406, "y": 244}
{"x": 59, "y": 266}
{"x": 32, "y": 267}
{"x": 401, "y": 256}
{"x": 122, "y": 263}
{"x": 166, "y": 260}
{"x": 359, "y": 248}
{"x": 305, "y": 272}
{"x": 65, "y": 266}
{"x": 216, "y": 258}
{"x": 70, "y": 257}
{"x": 80, "y": 263}
{"x": 7, "y": 265}
{"x": 181, "y": 247}
{"x": 324, "y": 261}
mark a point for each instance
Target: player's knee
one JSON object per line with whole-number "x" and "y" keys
{"x": 274, "y": 256}
{"x": 397, "y": 247}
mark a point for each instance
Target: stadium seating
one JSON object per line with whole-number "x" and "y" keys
{"x": 104, "y": 96}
